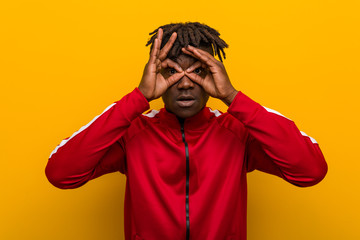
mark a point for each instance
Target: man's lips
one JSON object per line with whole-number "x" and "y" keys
{"x": 185, "y": 101}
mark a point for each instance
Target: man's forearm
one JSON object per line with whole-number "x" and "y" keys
{"x": 74, "y": 160}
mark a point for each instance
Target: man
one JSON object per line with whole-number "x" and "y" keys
{"x": 186, "y": 164}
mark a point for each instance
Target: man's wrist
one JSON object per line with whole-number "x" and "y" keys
{"x": 228, "y": 100}
{"x": 142, "y": 91}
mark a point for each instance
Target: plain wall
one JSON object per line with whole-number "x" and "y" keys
{"x": 63, "y": 62}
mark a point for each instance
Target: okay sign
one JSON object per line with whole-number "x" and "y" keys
{"x": 216, "y": 82}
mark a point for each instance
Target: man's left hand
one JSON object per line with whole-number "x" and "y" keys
{"x": 216, "y": 83}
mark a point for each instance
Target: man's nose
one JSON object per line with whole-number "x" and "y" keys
{"x": 185, "y": 83}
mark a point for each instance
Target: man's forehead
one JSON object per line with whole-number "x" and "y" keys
{"x": 207, "y": 48}
{"x": 184, "y": 58}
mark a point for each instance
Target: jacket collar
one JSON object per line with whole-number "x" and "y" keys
{"x": 196, "y": 122}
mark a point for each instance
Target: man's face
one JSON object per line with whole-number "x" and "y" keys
{"x": 185, "y": 98}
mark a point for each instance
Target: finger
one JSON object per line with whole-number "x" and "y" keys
{"x": 175, "y": 78}
{"x": 196, "y": 78}
{"x": 154, "y": 51}
{"x": 188, "y": 52}
{"x": 160, "y": 36}
{"x": 203, "y": 56}
{"x": 166, "y": 49}
{"x": 192, "y": 49}
{"x": 195, "y": 66}
{"x": 169, "y": 63}
{"x": 156, "y": 46}
{"x": 158, "y": 65}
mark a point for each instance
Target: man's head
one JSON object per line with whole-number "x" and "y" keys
{"x": 186, "y": 98}
{"x": 190, "y": 33}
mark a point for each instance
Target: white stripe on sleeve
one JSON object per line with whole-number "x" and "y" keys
{"x": 312, "y": 139}
{"x": 63, "y": 142}
{"x": 215, "y": 112}
{"x": 302, "y": 133}
{"x": 276, "y": 112}
{"x": 152, "y": 113}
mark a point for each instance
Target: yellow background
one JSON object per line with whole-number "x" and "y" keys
{"x": 64, "y": 62}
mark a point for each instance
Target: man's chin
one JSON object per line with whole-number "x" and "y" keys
{"x": 186, "y": 112}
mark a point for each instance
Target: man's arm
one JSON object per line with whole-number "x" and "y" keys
{"x": 275, "y": 144}
{"x": 95, "y": 149}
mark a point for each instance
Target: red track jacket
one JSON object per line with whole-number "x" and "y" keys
{"x": 186, "y": 181}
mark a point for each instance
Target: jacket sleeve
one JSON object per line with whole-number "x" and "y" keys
{"x": 96, "y": 148}
{"x": 276, "y": 146}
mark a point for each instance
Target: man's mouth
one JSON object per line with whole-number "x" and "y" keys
{"x": 185, "y": 100}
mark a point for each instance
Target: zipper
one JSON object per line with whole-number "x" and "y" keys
{"x": 187, "y": 181}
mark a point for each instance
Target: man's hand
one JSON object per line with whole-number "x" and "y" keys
{"x": 153, "y": 84}
{"x": 216, "y": 83}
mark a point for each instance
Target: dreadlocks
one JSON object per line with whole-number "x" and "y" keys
{"x": 190, "y": 33}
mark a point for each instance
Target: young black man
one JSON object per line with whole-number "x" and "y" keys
{"x": 186, "y": 164}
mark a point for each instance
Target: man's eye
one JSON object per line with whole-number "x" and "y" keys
{"x": 198, "y": 70}
{"x": 172, "y": 71}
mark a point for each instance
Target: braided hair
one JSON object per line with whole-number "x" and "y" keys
{"x": 190, "y": 33}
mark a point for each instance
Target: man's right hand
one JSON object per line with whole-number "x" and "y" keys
{"x": 153, "y": 84}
